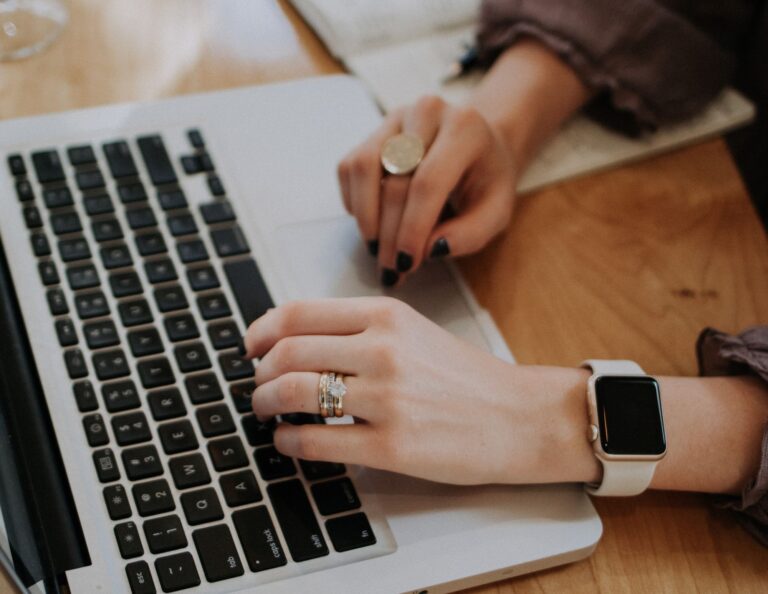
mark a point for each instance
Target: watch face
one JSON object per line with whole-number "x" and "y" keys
{"x": 629, "y": 415}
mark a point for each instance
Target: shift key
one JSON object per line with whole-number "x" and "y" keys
{"x": 259, "y": 538}
{"x": 296, "y": 518}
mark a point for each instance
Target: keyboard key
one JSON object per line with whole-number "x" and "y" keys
{"x": 65, "y": 331}
{"x": 206, "y": 163}
{"x": 297, "y": 520}
{"x": 98, "y": 205}
{"x": 215, "y": 420}
{"x": 235, "y": 367}
{"x": 128, "y": 540}
{"x": 150, "y": 244}
{"x": 120, "y": 396}
{"x": 142, "y": 462}
{"x": 350, "y": 532}
{"x": 203, "y": 388}
{"x": 191, "y": 164}
{"x": 101, "y": 334}
{"x": 160, "y": 271}
{"x": 203, "y": 278}
{"x": 181, "y": 327}
{"x": 242, "y": 395}
{"x": 95, "y": 430}
{"x": 32, "y": 217}
{"x": 302, "y": 418}
{"x": 229, "y": 242}
{"x": 240, "y": 488}
{"x": 81, "y": 155}
{"x": 111, "y": 364}
{"x": 131, "y": 428}
{"x": 273, "y": 465}
{"x": 258, "y": 433}
{"x": 141, "y": 218}
{"x": 166, "y": 404}
{"x": 171, "y": 298}
{"x": 116, "y": 256}
{"x": 192, "y": 251}
{"x": 89, "y": 180}
{"x": 201, "y": 506}
{"x": 139, "y": 578}
{"x": 224, "y": 335}
{"x": 57, "y": 197}
{"x": 194, "y": 136}
{"x": 258, "y": 536}
{"x": 177, "y": 572}
{"x": 130, "y": 193}
{"x": 117, "y": 502}
{"x": 182, "y": 224}
{"x": 106, "y": 465}
{"x": 153, "y": 497}
{"x": 213, "y": 306}
{"x": 178, "y": 437}
{"x": 85, "y": 396}
{"x": 120, "y": 160}
{"x": 47, "y": 166}
{"x": 24, "y": 191}
{"x": 189, "y": 471}
{"x": 57, "y": 303}
{"x": 165, "y": 534}
{"x": 172, "y": 199}
{"x": 75, "y": 249}
{"x": 133, "y": 313}
{"x": 157, "y": 161}
{"x": 217, "y": 212}
{"x": 333, "y": 497}
{"x": 91, "y": 305}
{"x": 76, "y": 366}
{"x": 215, "y": 185}
{"x": 145, "y": 342}
{"x": 107, "y": 230}
{"x": 66, "y": 222}
{"x": 40, "y": 245}
{"x": 83, "y": 277}
{"x": 250, "y": 291}
{"x": 217, "y": 553}
{"x": 314, "y": 470}
{"x": 155, "y": 373}
{"x": 192, "y": 357}
{"x": 227, "y": 453}
{"x": 16, "y": 165}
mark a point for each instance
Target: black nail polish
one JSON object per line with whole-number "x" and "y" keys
{"x": 373, "y": 247}
{"x": 241, "y": 347}
{"x": 389, "y": 277}
{"x": 404, "y": 261}
{"x": 440, "y": 249}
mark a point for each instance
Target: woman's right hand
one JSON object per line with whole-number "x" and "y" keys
{"x": 465, "y": 160}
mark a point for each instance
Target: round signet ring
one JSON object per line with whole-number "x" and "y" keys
{"x": 401, "y": 154}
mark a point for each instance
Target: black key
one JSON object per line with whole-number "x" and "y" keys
{"x": 48, "y": 166}
{"x": 227, "y": 453}
{"x": 83, "y": 277}
{"x": 65, "y": 331}
{"x": 101, "y": 334}
{"x": 242, "y": 394}
{"x": 201, "y": 506}
{"x": 16, "y": 164}
{"x": 203, "y": 388}
{"x": 66, "y": 222}
{"x": 120, "y": 161}
{"x": 116, "y": 256}
{"x": 81, "y": 155}
{"x": 139, "y": 578}
{"x": 153, "y": 497}
{"x": 177, "y": 572}
{"x": 217, "y": 212}
{"x": 191, "y": 164}
{"x": 89, "y": 180}
{"x": 178, "y": 437}
{"x": 120, "y": 396}
{"x": 75, "y": 249}
{"x": 24, "y": 190}
{"x": 182, "y": 224}
{"x": 156, "y": 159}
{"x": 155, "y": 373}
{"x": 117, "y": 502}
{"x": 95, "y": 430}
{"x": 229, "y": 242}
{"x": 273, "y": 465}
{"x": 40, "y": 245}
{"x": 136, "y": 312}
{"x": 98, "y": 205}
{"x": 107, "y": 229}
{"x": 203, "y": 278}
{"x": 217, "y": 553}
{"x": 131, "y": 428}
{"x": 125, "y": 283}
{"x": 215, "y": 185}
{"x": 130, "y": 193}
{"x": 333, "y": 497}
{"x": 171, "y": 298}
{"x": 166, "y": 404}
{"x": 258, "y": 433}
{"x": 240, "y": 488}
{"x": 76, "y": 367}
{"x": 172, "y": 199}
{"x": 192, "y": 357}
{"x": 150, "y": 244}
{"x": 302, "y": 419}
{"x": 128, "y": 540}
{"x": 85, "y": 396}
{"x": 206, "y": 163}
{"x": 192, "y": 251}
{"x": 145, "y": 342}
{"x": 215, "y": 420}
{"x": 296, "y": 518}
{"x": 224, "y": 335}
{"x": 57, "y": 197}
{"x": 57, "y": 303}
{"x": 111, "y": 364}
{"x": 91, "y": 305}
{"x": 189, "y": 471}
{"x": 194, "y": 135}
{"x": 106, "y": 465}
{"x": 315, "y": 470}
{"x": 250, "y": 291}
{"x": 181, "y": 327}
{"x": 160, "y": 271}
{"x": 32, "y": 217}
{"x": 140, "y": 218}
{"x": 259, "y": 538}
{"x": 165, "y": 534}
{"x": 350, "y": 532}
{"x": 235, "y": 367}
{"x": 213, "y": 305}
{"x": 142, "y": 462}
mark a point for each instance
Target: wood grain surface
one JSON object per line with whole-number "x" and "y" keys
{"x": 629, "y": 263}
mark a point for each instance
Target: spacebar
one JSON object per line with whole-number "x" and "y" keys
{"x": 251, "y": 293}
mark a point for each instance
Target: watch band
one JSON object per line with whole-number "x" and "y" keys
{"x": 621, "y": 478}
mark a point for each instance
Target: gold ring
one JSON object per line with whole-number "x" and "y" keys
{"x": 337, "y": 389}
{"x": 401, "y": 154}
{"x": 325, "y": 405}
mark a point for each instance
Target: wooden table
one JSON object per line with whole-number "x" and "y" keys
{"x": 629, "y": 263}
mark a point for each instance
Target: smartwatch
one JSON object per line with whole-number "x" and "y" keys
{"x": 626, "y": 426}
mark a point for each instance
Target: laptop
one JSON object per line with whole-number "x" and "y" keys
{"x": 139, "y": 241}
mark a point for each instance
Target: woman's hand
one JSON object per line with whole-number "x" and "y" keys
{"x": 399, "y": 216}
{"x": 426, "y": 403}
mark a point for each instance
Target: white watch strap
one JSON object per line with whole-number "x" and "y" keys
{"x": 613, "y": 367}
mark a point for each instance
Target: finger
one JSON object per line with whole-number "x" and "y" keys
{"x": 343, "y": 175}
{"x": 348, "y": 444}
{"x": 394, "y": 192}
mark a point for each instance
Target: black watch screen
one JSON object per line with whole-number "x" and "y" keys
{"x": 629, "y": 415}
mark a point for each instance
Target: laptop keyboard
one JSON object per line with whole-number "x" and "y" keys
{"x": 137, "y": 283}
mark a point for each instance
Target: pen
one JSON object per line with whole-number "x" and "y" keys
{"x": 466, "y": 62}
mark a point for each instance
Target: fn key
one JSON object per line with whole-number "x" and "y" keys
{"x": 217, "y": 553}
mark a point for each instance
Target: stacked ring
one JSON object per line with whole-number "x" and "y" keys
{"x": 330, "y": 394}
{"x": 324, "y": 401}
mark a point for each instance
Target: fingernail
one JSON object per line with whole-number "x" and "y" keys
{"x": 440, "y": 248}
{"x": 404, "y": 261}
{"x": 373, "y": 247}
{"x": 241, "y": 347}
{"x": 389, "y": 277}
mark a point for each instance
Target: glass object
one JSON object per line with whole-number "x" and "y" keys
{"x": 27, "y": 27}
